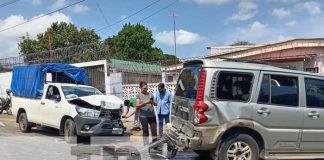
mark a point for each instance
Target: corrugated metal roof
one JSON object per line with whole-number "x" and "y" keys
{"x": 130, "y": 66}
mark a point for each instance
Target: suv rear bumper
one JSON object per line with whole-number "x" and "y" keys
{"x": 204, "y": 138}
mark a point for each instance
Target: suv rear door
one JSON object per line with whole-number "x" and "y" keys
{"x": 313, "y": 129}
{"x": 183, "y": 102}
{"x": 277, "y": 114}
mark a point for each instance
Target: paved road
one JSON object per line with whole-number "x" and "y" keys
{"x": 45, "y": 143}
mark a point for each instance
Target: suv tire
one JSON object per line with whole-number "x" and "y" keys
{"x": 24, "y": 125}
{"x": 202, "y": 153}
{"x": 70, "y": 132}
{"x": 237, "y": 146}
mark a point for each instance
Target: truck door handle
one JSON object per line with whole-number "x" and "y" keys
{"x": 58, "y": 107}
{"x": 264, "y": 111}
{"x": 42, "y": 103}
{"x": 313, "y": 114}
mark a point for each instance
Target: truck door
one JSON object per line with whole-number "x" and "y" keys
{"x": 51, "y": 107}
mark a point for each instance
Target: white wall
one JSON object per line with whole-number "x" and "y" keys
{"x": 5, "y": 82}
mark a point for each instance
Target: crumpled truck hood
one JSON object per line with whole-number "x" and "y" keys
{"x": 110, "y": 101}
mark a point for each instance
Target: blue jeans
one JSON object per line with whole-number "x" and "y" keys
{"x": 166, "y": 119}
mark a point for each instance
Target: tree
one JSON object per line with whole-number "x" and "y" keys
{"x": 241, "y": 43}
{"x": 63, "y": 35}
{"x": 135, "y": 42}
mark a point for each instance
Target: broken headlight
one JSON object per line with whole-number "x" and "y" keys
{"x": 85, "y": 112}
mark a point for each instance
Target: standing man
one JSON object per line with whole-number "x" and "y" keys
{"x": 163, "y": 100}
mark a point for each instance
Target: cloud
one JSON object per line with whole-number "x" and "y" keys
{"x": 291, "y": 23}
{"x": 256, "y": 32}
{"x": 37, "y": 2}
{"x": 283, "y": 1}
{"x": 312, "y": 7}
{"x": 9, "y": 39}
{"x": 78, "y": 8}
{"x": 210, "y": 2}
{"x": 281, "y": 13}
{"x": 58, "y": 4}
{"x": 247, "y": 5}
{"x": 183, "y": 37}
{"x": 255, "y": 26}
{"x": 243, "y": 15}
{"x": 262, "y": 33}
{"x": 247, "y": 10}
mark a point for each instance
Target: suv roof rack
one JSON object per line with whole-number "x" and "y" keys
{"x": 280, "y": 65}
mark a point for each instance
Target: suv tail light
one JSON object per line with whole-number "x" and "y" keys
{"x": 200, "y": 106}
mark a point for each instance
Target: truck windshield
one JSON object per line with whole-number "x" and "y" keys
{"x": 188, "y": 82}
{"x": 76, "y": 91}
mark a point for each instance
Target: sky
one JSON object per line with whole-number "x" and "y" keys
{"x": 198, "y": 23}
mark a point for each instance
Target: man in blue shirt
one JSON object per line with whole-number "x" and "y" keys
{"x": 163, "y": 98}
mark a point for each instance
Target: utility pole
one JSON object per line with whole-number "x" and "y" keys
{"x": 175, "y": 38}
{"x": 49, "y": 33}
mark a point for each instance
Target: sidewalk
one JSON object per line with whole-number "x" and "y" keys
{"x": 134, "y": 135}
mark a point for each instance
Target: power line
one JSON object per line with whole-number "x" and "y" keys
{"x": 156, "y": 12}
{"x": 104, "y": 16}
{"x": 42, "y": 16}
{"x": 8, "y": 3}
{"x": 151, "y": 4}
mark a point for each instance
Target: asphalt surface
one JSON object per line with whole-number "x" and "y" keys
{"x": 45, "y": 143}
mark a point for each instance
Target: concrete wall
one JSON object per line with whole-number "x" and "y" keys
{"x": 5, "y": 81}
{"x": 317, "y": 61}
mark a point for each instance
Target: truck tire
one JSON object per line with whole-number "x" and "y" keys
{"x": 70, "y": 132}
{"x": 239, "y": 146}
{"x": 24, "y": 125}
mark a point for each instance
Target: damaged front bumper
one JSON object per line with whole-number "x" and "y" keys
{"x": 98, "y": 126}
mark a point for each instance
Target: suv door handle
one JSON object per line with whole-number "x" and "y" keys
{"x": 313, "y": 114}
{"x": 263, "y": 111}
{"x": 42, "y": 103}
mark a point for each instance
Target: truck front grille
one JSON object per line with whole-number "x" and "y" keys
{"x": 112, "y": 114}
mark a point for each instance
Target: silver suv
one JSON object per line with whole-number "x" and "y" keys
{"x": 243, "y": 111}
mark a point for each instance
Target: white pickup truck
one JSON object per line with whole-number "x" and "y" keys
{"x": 76, "y": 110}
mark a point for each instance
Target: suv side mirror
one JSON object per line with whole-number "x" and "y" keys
{"x": 56, "y": 98}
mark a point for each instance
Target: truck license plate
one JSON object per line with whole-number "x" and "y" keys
{"x": 117, "y": 130}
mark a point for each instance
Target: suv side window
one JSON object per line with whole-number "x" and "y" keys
{"x": 234, "y": 86}
{"x": 314, "y": 93}
{"x": 279, "y": 90}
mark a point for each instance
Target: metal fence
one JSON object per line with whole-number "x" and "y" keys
{"x": 131, "y": 90}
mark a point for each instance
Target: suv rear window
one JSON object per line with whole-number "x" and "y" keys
{"x": 234, "y": 86}
{"x": 188, "y": 82}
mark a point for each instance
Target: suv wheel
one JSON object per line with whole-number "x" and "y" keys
{"x": 202, "y": 153}
{"x": 24, "y": 125}
{"x": 70, "y": 131}
{"x": 239, "y": 147}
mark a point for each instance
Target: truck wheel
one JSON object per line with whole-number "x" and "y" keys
{"x": 24, "y": 125}
{"x": 70, "y": 131}
{"x": 239, "y": 146}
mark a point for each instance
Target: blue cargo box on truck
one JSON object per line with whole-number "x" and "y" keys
{"x": 28, "y": 81}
